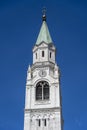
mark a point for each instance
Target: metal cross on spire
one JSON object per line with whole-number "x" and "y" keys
{"x": 44, "y": 14}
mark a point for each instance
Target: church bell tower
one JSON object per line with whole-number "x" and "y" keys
{"x": 43, "y": 107}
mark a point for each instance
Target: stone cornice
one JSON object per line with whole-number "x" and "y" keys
{"x": 42, "y": 64}
{"x": 55, "y": 109}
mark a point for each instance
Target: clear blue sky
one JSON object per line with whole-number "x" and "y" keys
{"x": 20, "y": 23}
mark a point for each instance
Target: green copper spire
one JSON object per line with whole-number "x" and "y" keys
{"x": 44, "y": 34}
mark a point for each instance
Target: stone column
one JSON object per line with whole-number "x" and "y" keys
{"x": 47, "y": 123}
{"x": 42, "y": 124}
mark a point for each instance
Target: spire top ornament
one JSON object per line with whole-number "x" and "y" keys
{"x": 44, "y": 14}
{"x": 44, "y": 34}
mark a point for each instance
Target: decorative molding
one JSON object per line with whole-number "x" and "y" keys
{"x": 42, "y": 65}
{"x": 43, "y": 115}
{"x": 43, "y": 102}
{"x": 57, "y": 109}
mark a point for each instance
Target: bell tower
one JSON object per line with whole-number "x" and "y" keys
{"x": 43, "y": 109}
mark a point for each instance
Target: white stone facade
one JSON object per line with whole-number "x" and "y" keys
{"x": 43, "y": 114}
{"x": 48, "y": 50}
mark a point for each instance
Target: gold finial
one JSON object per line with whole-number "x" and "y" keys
{"x": 44, "y": 14}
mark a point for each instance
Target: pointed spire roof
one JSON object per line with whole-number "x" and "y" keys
{"x": 44, "y": 34}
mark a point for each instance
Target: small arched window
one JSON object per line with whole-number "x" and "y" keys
{"x": 45, "y": 123}
{"x": 50, "y": 54}
{"x": 42, "y": 90}
{"x": 39, "y": 122}
{"x": 42, "y": 53}
{"x": 36, "y": 55}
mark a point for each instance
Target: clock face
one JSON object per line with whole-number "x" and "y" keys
{"x": 42, "y": 73}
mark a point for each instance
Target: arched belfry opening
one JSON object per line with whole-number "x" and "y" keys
{"x": 42, "y": 90}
